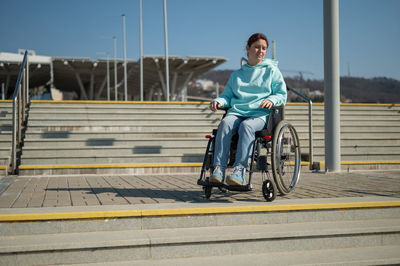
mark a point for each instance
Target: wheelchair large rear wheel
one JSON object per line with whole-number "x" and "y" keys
{"x": 286, "y": 157}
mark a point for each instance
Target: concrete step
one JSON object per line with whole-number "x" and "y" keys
{"x": 197, "y": 242}
{"x": 4, "y": 160}
{"x": 5, "y": 143}
{"x": 31, "y": 145}
{"x": 123, "y": 143}
{"x": 289, "y": 112}
{"x": 68, "y": 152}
{"x": 364, "y": 150}
{"x": 195, "y": 122}
{"x": 363, "y": 158}
{"x": 119, "y": 105}
{"x": 4, "y": 151}
{"x": 117, "y": 134}
{"x": 91, "y": 159}
{"x": 5, "y": 134}
{"x": 54, "y": 220}
{"x": 386, "y": 255}
{"x": 174, "y": 233}
{"x": 348, "y": 138}
{"x": 163, "y": 131}
{"x": 351, "y": 135}
{"x": 130, "y": 115}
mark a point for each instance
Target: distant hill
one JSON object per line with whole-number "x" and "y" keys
{"x": 352, "y": 89}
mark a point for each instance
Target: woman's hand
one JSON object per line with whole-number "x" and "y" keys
{"x": 266, "y": 104}
{"x": 214, "y": 106}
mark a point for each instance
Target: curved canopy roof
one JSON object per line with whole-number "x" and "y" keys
{"x": 87, "y": 79}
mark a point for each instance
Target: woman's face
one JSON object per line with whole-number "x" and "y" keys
{"x": 256, "y": 52}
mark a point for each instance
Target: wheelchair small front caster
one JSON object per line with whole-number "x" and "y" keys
{"x": 207, "y": 191}
{"x": 269, "y": 190}
{"x": 223, "y": 190}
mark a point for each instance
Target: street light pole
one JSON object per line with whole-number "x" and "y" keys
{"x": 115, "y": 69}
{"x": 125, "y": 64}
{"x": 108, "y": 76}
{"x": 166, "y": 50}
{"x": 141, "y": 48}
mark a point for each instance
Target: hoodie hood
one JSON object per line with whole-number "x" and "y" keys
{"x": 266, "y": 62}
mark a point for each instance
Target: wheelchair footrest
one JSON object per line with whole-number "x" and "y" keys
{"x": 209, "y": 184}
{"x": 243, "y": 188}
{"x": 239, "y": 188}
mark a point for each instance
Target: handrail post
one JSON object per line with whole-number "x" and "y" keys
{"x": 310, "y": 133}
{"x": 20, "y": 99}
{"x": 19, "y": 116}
{"x": 14, "y": 136}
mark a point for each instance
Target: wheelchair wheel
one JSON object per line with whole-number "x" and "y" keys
{"x": 207, "y": 191}
{"x": 269, "y": 190}
{"x": 285, "y": 159}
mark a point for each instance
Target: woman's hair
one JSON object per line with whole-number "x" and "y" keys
{"x": 255, "y": 37}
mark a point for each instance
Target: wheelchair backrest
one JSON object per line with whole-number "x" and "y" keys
{"x": 276, "y": 116}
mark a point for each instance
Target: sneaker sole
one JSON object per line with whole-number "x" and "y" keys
{"x": 215, "y": 179}
{"x": 233, "y": 182}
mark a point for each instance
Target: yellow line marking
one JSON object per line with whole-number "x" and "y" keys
{"x": 109, "y": 166}
{"x": 371, "y": 104}
{"x": 83, "y": 166}
{"x": 369, "y": 162}
{"x": 5, "y": 101}
{"x": 119, "y": 102}
{"x": 364, "y": 162}
{"x": 193, "y": 211}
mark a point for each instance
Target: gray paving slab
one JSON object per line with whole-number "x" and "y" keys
{"x": 158, "y": 190}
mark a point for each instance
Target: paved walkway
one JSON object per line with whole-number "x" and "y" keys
{"x": 95, "y": 190}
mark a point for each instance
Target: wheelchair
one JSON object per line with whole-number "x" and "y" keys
{"x": 279, "y": 142}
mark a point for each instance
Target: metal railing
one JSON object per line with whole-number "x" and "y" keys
{"x": 310, "y": 131}
{"x": 20, "y": 101}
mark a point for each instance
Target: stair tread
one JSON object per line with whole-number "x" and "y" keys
{"x": 376, "y": 255}
{"x": 48, "y": 242}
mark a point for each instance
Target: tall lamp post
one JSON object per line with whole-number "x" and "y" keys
{"x": 166, "y": 50}
{"x": 141, "y": 47}
{"x": 115, "y": 69}
{"x": 125, "y": 64}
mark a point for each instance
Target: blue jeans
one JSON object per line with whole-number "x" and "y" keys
{"x": 229, "y": 126}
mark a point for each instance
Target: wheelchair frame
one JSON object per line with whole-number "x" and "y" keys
{"x": 279, "y": 139}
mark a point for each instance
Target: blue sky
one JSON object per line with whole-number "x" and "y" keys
{"x": 369, "y": 30}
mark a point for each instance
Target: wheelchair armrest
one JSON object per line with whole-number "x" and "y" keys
{"x": 223, "y": 108}
{"x": 279, "y": 108}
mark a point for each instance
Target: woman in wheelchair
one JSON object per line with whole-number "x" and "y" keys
{"x": 249, "y": 95}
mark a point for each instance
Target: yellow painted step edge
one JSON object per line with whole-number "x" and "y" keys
{"x": 193, "y": 211}
{"x": 82, "y": 166}
{"x": 365, "y": 162}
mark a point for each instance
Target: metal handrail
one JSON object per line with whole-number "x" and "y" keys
{"x": 310, "y": 132}
{"x": 20, "y": 101}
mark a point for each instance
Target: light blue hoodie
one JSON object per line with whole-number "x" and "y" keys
{"x": 250, "y": 85}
